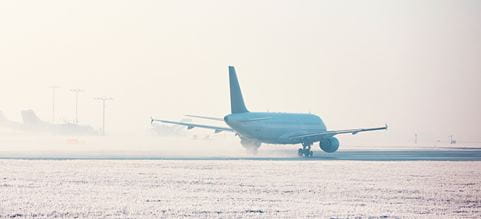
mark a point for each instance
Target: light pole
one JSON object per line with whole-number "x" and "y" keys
{"x": 451, "y": 139}
{"x": 103, "y": 100}
{"x": 76, "y": 91}
{"x": 53, "y": 101}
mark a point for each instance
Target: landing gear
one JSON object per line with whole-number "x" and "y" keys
{"x": 305, "y": 151}
{"x": 251, "y": 150}
{"x": 250, "y": 145}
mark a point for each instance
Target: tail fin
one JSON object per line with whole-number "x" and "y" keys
{"x": 236, "y": 101}
{"x": 2, "y": 117}
{"x": 29, "y": 117}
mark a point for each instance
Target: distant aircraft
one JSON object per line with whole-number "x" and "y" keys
{"x": 32, "y": 124}
{"x": 169, "y": 130}
{"x": 255, "y": 128}
{"x": 4, "y": 122}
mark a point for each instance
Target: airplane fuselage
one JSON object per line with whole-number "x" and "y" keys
{"x": 274, "y": 128}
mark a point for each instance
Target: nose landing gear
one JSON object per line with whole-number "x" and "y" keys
{"x": 305, "y": 151}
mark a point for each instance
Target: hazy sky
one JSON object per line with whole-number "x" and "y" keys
{"x": 415, "y": 65}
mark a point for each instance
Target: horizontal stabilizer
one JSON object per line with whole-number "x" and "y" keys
{"x": 206, "y": 117}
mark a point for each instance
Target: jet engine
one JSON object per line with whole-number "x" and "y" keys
{"x": 329, "y": 145}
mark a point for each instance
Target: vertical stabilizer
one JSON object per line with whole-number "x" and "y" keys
{"x": 2, "y": 117}
{"x": 236, "y": 100}
{"x": 29, "y": 117}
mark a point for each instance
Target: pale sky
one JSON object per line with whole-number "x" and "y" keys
{"x": 415, "y": 65}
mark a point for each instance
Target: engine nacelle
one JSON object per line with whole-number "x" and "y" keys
{"x": 329, "y": 145}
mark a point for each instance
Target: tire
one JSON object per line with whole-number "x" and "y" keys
{"x": 252, "y": 151}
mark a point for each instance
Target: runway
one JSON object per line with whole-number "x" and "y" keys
{"x": 468, "y": 154}
{"x": 422, "y": 154}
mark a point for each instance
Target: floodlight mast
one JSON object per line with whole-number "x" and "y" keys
{"x": 53, "y": 87}
{"x": 103, "y": 100}
{"x": 76, "y": 91}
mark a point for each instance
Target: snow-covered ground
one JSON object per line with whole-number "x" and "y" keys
{"x": 239, "y": 188}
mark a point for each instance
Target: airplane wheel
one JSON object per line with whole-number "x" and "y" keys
{"x": 300, "y": 152}
{"x": 311, "y": 153}
{"x": 250, "y": 145}
{"x": 252, "y": 151}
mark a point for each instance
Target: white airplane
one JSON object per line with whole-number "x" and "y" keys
{"x": 255, "y": 128}
{"x": 32, "y": 124}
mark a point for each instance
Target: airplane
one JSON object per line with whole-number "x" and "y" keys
{"x": 255, "y": 128}
{"x": 32, "y": 124}
{"x": 164, "y": 130}
{"x": 4, "y": 122}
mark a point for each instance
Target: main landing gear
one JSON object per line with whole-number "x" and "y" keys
{"x": 250, "y": 145}
{"x": 305, "y": 151}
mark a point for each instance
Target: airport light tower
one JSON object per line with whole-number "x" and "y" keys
{"x": 76, "y": 91}
{"x": 103, "y": 100}
{"x": 451, "y": 139}
{"x": 53, "y": 87}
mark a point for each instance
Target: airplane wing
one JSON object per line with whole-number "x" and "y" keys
{"x": 216, "y": 129}
{"x": 336, "y": 132}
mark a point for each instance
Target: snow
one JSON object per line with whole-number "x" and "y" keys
{"x": 239, "y": 188}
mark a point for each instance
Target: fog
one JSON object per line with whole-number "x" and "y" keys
{"x": 412, "y": 64}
